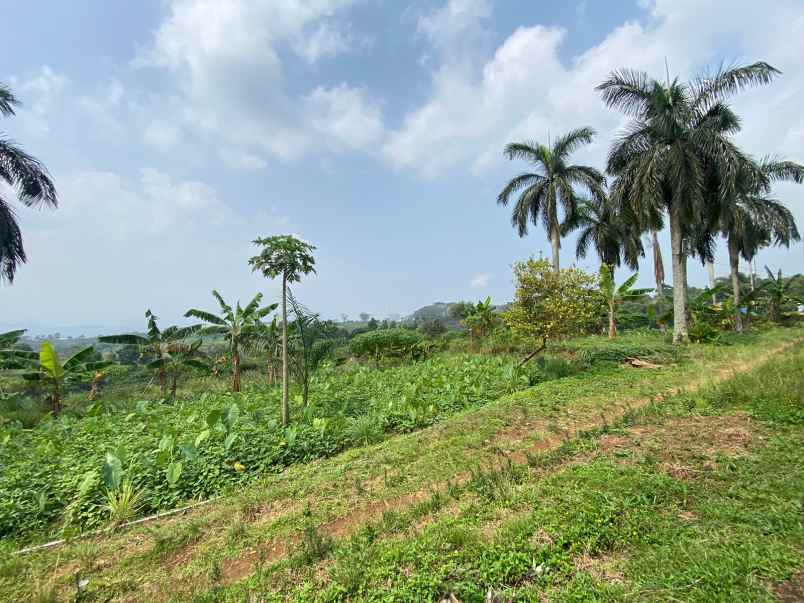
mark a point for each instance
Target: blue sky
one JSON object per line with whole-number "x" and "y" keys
{"x": 178, "y": 131}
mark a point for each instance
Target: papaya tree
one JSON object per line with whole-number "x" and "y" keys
{"x": 290, "y": 258}
{"x": 613, "y": 295}
{"x": 236, "y": 324}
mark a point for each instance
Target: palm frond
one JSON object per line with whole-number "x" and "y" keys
{"x": 565, "y": 145}
{"x": 707, "y": 90}
{"x": 205, "y": 316}
{"x": 627, "y": 90}
{"x": 27, "y": 176}
{"x": 7, "y": 101}
{"x": 12, "y": 252}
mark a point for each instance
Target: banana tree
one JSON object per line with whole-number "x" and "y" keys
{"x": 237, "y": 324}
{"x": 613, "y": 295}
{"x": 777, "y": 291}
{"x": 47, "y": 369}
{"x": 177, "y": 358}
{"x": 157, "y": 344}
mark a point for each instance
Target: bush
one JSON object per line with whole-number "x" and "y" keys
{"x": 386, "y": 343}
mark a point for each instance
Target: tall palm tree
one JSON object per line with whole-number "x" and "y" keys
{"x": 679, "y": 131}
{"x": 551, "y": 185}
{"x": 750, "y": 220}
{"x": 32, "y": 184}
{"x": 609, "y": 232}
{"x": 237, "y": 324}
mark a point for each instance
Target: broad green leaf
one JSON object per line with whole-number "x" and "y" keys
{"x": 201, "y": 437}
{"x": 213, "y": 417}
{"x": 89, "y": 481}
{"x": 173, "y": 472}
{"x": 49, "y": 361}
{"x": 230, "y": 439}
{"x": 166, "y": 443}
{"x": 112, "y": 471}
{"x": 231, "y": 416}
{"x": 189, "y": 451}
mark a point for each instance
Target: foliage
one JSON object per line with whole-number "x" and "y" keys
{"x": 237, "y": 324}
{"x": 29, "y": 181}
{"x": 47, "y": 370}
{"x": 387, "y": 343}
{"x": 779, "y": 296}
{"x": 551, "y": 305}
{"x": 283, "y": 255}
{"x": 614, "y": 296}
{"x": 552, "y": 184}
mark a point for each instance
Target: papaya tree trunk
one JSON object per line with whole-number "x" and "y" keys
{"x": 162, "y": 382}
{"x": 680, "y": 333}
{"x": 734, "y": 269}
{"x": 285, "y": 402}
{"x": 173, "y": 386}
{"x": 55, "y": 400}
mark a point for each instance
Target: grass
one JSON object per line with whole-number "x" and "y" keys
{"x": 459, "y": 507}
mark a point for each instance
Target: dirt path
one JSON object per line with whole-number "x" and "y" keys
{"x": 270, "y": 552}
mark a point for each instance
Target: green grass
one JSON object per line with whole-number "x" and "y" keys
{"x": 461, "y": 517}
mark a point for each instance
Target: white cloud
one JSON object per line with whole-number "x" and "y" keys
{"x": 324, "y": 41}
{"x": 344, "y": 116}
{"x": 525, "y": 88}
{"x": 225, "y": 60}
{"x": 480, "y": 281}
{"x": 40, "y": 94}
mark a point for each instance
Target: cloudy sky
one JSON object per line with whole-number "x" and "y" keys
{"x": 179, "y": 130}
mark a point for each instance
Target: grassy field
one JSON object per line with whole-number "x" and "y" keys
{"x": 678, "y": 483}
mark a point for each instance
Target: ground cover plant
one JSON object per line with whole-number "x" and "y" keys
{"x": 405, "y": 485}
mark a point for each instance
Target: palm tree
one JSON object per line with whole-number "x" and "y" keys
{"x": 32, "y": 184}
{"x": 613, "y": 295}
{"x": 552, "y": 184}
{"x": 679, "y": 132}
{"x": 609, "y": 232}
{"x": 237, "y": 324}
{"x": 290, "y": 258}
{"x": 750, "y": 220}
{"x": 156, "y": 343}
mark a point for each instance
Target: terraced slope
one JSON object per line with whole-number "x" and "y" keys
{"x": 549, "y": 492}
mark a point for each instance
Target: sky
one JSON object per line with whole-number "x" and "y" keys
{"x": 177, "y": 131}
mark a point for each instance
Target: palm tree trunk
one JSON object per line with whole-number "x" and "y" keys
{"x": 658, "y": 263}
{"x": 285, "y": 405}
{"x": 235, "y": 367}
{"x": 55, "y": 400}
{"x": 734, "y": 268}
{"x": 710, "y": 268}
{"x": 612, "y": 324}
{"x": 752, "y": 269}
{"x": 679, "y": 278}
{"x": 555, "y": 242}
{"x": 173, "y": 387}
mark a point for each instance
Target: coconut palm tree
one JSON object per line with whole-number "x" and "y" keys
{"x": 679, "y": 132}
{"x": 237, "y": 324}
{"x": 604, "y": 227}
{"x": 29, "y": 179}
{"x": 750, "y": 220}
{"x": 290, "y": 258}
{"x": 553, "y": 184}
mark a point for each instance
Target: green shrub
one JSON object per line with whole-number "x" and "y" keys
{"x": 386, "y": 343}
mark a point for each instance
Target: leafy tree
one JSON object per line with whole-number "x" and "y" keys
{"x": 9, "y": 342}
{"x": 290, "y": 258}
{"x": 550, "y": 305}
{"x": 46, "y": 369}
{"x": 236, "y": 324}
{"x": 431, "y": 328}
{"x": 309, "y": 344}
{"x": 551, "y": 185}
{"x": 679, "y": 132}
{"x": 156, "y": 344}
{"x": 480, "y": 319}
{"x": 29, "y": 179}
{"x": 178, "y": 358}
{"x": 614, "y": 296}
{"x": 364, "y": 316}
